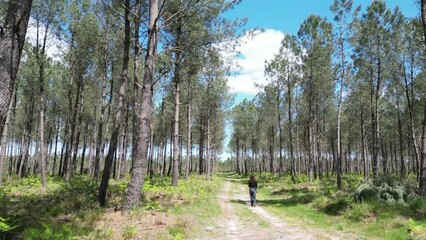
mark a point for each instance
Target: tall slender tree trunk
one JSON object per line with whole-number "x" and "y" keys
{"x": 339, "y": 144}
{"x": 77, "y": 127}
{"x": 171, "y": 148}
{"x": 422, "y": 182}
{"x": 375, "y": 116}
{"x": 119, "y": 110}
{"x": 238, "y": 156}
{"x": 280, "y": 137}
{"x": 56, "y": 144}
{"x": 72, "y": 128}
{"x": 363, "y": 145}
{"x": 3, "y": 156}
{"x": 83, "y": 154}
{"x": 208, "y": 164}
{"x": 410, "y": 105}
{"x": 136, "y": 89}
{"x": 41, "y": 60}
{"x": 311, "y": 142}
{"x": 201, "y": 147}
{"x": 12, "y": 39}
{"x": 140, "y": 159}
{"x": 63, "y": 149}
{"x": 271, "y": 150}
{"x": 99, "y": 139}
{"x": 290, "y": 129}
{"x": 123, "y": 149}
{"x": 175, "y": 173}
{"x": 401, "y": 148}
{"x": 26, "y": 140}
{"x": 188, "y": 142}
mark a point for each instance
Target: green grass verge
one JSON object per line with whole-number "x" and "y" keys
{"x": 321, "y": 205}
{"x": 70, "y": 210}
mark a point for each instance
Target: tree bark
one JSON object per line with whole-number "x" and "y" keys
{"x": 201, "y": 147}
{"x": 189, "y": 127}
{"x": 122, "y": 163}
{"x": 175, "y": 173}
{"x": 12, "y": 39}
{"x": 3, "y": 156}
{"x": 119, "y": 110}
{"x": 271, "y": 149}
{"x": 208, "y": 165}
{"x": 402, "y": 169}
{"x": 99, "y": 139}
{"x": 140, "y": 159}
{"x": 422, "y": 184}
{"x": 290, "y": 129}
{"x": 83, "y": 154}
{"x": 280, "y": 137}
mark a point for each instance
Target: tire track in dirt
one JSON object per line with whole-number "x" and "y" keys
{"x": 234, "y": 228}
{"x": 286, "y": 230}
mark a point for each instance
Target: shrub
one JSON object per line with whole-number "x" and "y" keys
{"x": 357, "y": 212}
{"x": 366, "y": 192}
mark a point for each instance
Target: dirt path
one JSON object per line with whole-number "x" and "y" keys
{"x": 241, "y": 221}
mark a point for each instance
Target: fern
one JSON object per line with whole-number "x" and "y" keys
{"x": 5, "y": 226}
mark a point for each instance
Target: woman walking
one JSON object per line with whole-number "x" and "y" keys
{"x": 252, "y": 190}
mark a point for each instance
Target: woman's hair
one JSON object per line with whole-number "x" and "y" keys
{"x": 252, "y": 178}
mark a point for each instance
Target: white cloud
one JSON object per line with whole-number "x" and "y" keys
{"x": 55, "y": 48}
{"x": 253, "y": 52}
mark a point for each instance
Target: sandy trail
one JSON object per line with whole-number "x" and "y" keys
{"x": 263, "y": 226}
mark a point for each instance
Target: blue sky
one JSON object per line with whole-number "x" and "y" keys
{"x": 276, "y": 18}
{"x": 287, "y": 15}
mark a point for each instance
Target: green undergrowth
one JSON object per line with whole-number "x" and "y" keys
{"x": 71, "y": 211}
{"x": 394, "y": 212}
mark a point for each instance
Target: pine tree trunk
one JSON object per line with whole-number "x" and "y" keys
{"x": 99, "y": 139}
{"x": 422, "y": 184}
{"x": 119, "y": 110}
{"x": 40, "y": 56}
{"x": 401, "y": 148}
{"x": 208, "y": 150}
{"x": 83, "y": 154}
{"x": 201, "y": 147}
{"x": 311, "y": 143}
{"x": 175, "y": 172}
{"x": 78, "y": 127}
{"x": 290, "y": 130}
{"x": 61, "y": 160}
{"x": 271, "y": 150}
{"x": 238, "y": 156}
{"x": 12, "y": 39}
{"x": 73, "y": 141}
{"x": 280, "y": 137}
{"x": 3, "y": 156}
{"x": 375, "y": 117}
{"x": 188, "y": 138}
{"x": 171, "y": 149}
{"x": 122, "y": 163}
{"x": 140, "y": 159}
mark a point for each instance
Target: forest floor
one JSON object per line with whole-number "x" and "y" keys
{"x": 241, "y": 221}
{"x": 203, "y": 210}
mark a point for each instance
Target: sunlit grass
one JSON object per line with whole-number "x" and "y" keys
{"x": 321, "y": 205}
{"x": 70, "y": 210}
